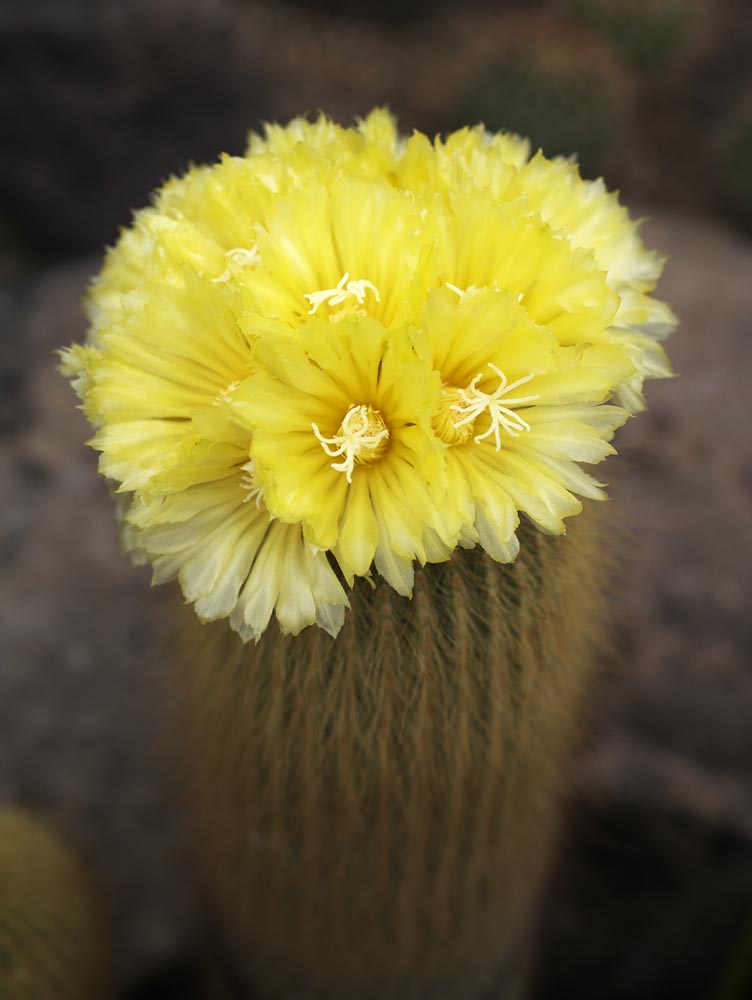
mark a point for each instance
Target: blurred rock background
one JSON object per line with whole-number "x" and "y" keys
{"x": 101, "y": 100}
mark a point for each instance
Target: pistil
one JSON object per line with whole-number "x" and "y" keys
{"x": 361, "y": 439}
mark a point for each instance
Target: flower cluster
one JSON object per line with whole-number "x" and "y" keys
{"x": 347, "y": 351}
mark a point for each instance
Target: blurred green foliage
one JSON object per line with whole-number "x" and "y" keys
{"x": 735, "y": 159}
{"x": 647, "y": 34}
{"x": 564, "y": 107}
{"x": 736, "y": 978}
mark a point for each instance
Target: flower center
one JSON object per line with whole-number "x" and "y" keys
{"x": 471, "y": 402}
{"x": 361, "y": 438}
{"x": 444, "y": 421}
{"x": 349, "y": 294}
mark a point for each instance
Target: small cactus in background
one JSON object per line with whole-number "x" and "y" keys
{"x": 52, "y": 945}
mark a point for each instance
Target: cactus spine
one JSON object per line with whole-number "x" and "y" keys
{"x": 51, "y": 941}
{"x": 375, "y": 813}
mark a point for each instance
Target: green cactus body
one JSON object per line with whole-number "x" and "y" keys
{"x": 51, "y": 940}
{"x": 375, "y": 814}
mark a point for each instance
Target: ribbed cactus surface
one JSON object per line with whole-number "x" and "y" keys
{"x": 52, "y": 944}
{"x": 375, "y": 814}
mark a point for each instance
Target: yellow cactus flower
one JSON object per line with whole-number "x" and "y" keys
{"x": 517, "y": 413}
{"x": 347, "y": 351}
{"x": 343, "y": 444}
{"x": 205, "y": 523}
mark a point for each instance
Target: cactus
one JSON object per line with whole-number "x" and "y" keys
{"x": 374, "y": 815}
{"x": 52, "y": 945}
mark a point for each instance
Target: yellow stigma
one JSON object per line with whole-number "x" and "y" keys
{"x": 361, "y": 438}
{"x": 444, "y": 420}
{"x": 473, "y": 402}
{"x": 349, "y": 294}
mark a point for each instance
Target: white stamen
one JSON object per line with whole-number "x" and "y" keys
{"x": 359, "y": 439}
{"x": 499, "y": 406}
{"x": 245, "y": 256}
{"x": 345, "y": 290}
{"x": 241, "y": 257}
{"x": 462, "y": 292}
{"x": 248, "y": 483}
{"x": 223, "y": 395}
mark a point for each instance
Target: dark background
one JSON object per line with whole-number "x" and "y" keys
{"x": 101, "y": 101}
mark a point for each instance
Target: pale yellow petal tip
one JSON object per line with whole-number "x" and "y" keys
{"x": 347, "y": 352}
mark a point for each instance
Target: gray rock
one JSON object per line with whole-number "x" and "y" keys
{"x": 652, "y": 896}
{"x": 83, "y": 707}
